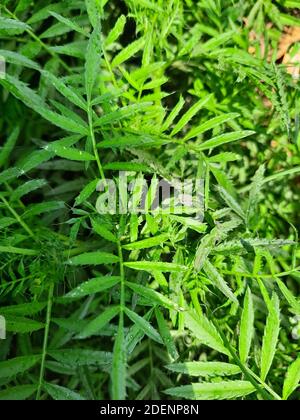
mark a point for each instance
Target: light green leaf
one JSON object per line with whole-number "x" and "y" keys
{"x": 292, "y": 379}
{"x": 224, "y": 139}
{"x": 128, "y": 52}
{"x": 185, "y": 119}
{"x": 217, "y": 280}
{"x": 88, "y": 190}
{"x": 156, "y": 266}
{"x": 81, "y": 357}
{"x": 213, "y": 391}
{"x": 205, "y": 368}
{"x": 116, "y": 31}
{"x": 93, "y": 61}
{"x": 70, "y": 153}
{"x": 270, "y": 338}
{"x": 22, "y": 325}
{"x": 204, "y": 331}
{"x": 153, "y": 296}
{"x": 101, "y": 230}
{"x": 148, "y": 243}
{"x": 208, "y": 125}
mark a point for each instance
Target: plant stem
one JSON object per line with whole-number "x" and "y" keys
{"x": 95, "y": 150}
{"x": 45, "y": 343}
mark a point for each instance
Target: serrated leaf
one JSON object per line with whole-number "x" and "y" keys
{"x": 9, "y": 145}
{"x": 147, "y": 243}
{"x": 291, "y": 299}
{"x": 208, "y": 125}
{"x": 69, "y": 23}
{"x": 128, "y": 52}
{"x": 93, "y": 258}
{"x": 88, "y": 190}
{"x": 27, "y": 188}
{"x": 156, "y": 266}
{"x": 13, "y": 24}
{"x": 61, "y": 393}
{"x": 81, "y": 357}
{"x": 205, "y": 368}
{"x": 144, "y": 325}
{"x": 95, "y": 285}
{"x": 153, "y": 296}
{"x": 70, "y": 153}
{"x": 17, "y": 393}
{"x": 270, "y": 337}
{"x": 23, "y": 309}
{"x": 93, "y": 61}
{"x": 166, "y": 335}
{"x": 224, "y": 139}
{"x": 204, "y": 331}
{"x": 292, "y": 379}
{"x": 185, "y": 119}
{"x": 116, "y": 31}
{"x": 22, "y": 325}
{"x": 10, "y": 368}
{"x": 96, "y": 325}
{"x": 246, "y": 327}
{"x": 101, "y": 230}
{"x": 213, "y": 391}
{"x": 217, "y": 280}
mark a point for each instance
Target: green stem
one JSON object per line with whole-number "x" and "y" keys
{"x": 17, "y": 217}
{"x": 122, "y": 275}
{"x": 45, "y": 343}
{"x": 92, "y": 135}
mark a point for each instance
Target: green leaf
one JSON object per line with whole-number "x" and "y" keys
{"x": 61, "y": 393}
{"x": 292, "y": 379}
{"x": 153, "y": 296}
{"x": 185, "y": 119}
{"x": 92, "y": 61}
{"x": 147, "y": 243}
{"x": 93, "y": 258}
{"x": 9, "y": 145}
{"x": 127, "y": 167}
{"x": 208, "y": 125}
{"x": 69, "y": 23}
{"x": 70, "y": 153}
{"x": 9, "y": 174}
{"x": 13, "y": 24}
{"x": 270, "y": 337}
{"x": 205, "y": 368}
{"x": 231, "y": 202}
{"x": 116, "y": 31}
{"x": 14, "y": 250}
{"x": 217, "y": 280}
{"x": 173, "y": 114}
{"x": 17, "y": 393}
{"x": 101, "y": 230}
{"x": 35, "y": 159}
{"x": 156, "y": 266}
{"x": 246, "y": 327}
{"x": 22, "y": 325}
{"x": 95, "y": 285}
{"x": 96, "y": 325}
{"x": 293, "y": 302}
{"x": 144, "y": 325}
{"x": 204, "y": 331}
{"x": 65, "y": 90}
{"x": 118, "y": 373}
{"x": 128, "y": 52}
{"x": 81, "y": 357}
{"x": 213, "y": 391}
{"x": 27, "y": 188}
{"x": 88, "y": 190}
{"x": 224, "y": 139}
{"x": 46, "y": 207}
{"x": 12, "y": 367}
{"x": 23, "y": 309}
{"x": 166, "y": 335}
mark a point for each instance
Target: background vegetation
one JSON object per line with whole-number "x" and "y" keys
{"x": 150, "y": 306}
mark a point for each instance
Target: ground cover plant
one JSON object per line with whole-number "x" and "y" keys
{"x": 152, "y": 304}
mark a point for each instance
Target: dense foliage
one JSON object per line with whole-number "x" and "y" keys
{"x": 150, "y": 305}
